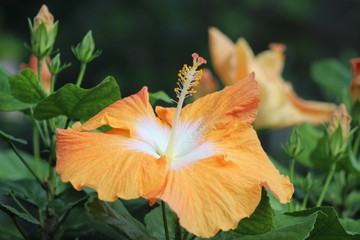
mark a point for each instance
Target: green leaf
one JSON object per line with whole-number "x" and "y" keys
{"x": 351, "y": 226}
{"x": 287, "y": 227}
{"x": 310, "y": 138}
{"x": 75, "y": 102}
{"x": 116, "y": 217}
{"x": 8, "y": 229}
{"x": 9, "y": 138}
{"x": 13, "y": 211}
{"x": 332, "y": 76}
{"x": 159, "y": 95}
{"x": 260, "y": 221}
{"x": 26, "y": 87}
{"x": 13, "y": 169}
{"x": 327, "y": 225}
{"x": 32, "y": 193}
{"x": 155, "y": 225}
{"x": 7, "y": 100}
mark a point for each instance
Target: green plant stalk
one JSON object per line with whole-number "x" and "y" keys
{"x": 40, "y": 60}
{"x": 304, "y": 202}
{"x": 26, "y": 165}
{"x": 291, "y": 175}
{"x": 36, "y": 149}
{"x": 46, "y": 133}
{"x": 327, "y": 183}
{"x": 52, "y": 84}
{"x": 167, "y": 235}
{"x": 356, "y": 144}
{"x": 81, "y": 74}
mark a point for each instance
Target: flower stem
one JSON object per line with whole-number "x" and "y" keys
{"x": 356, "y": 144}
{"x": 36, "y": 149}
{"x": 26, "y": 165}
{"x": 163, "y": 208}
{"x": 81, "y": 74}
{"x": 40, "y": 70}
{"x": 52, "y": 84}
{"x": 327, "y": 182}
{"x": 291, "y": 175}
{"x": 304, "y": 202}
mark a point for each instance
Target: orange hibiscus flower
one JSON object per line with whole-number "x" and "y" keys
{"x": 204, "y": 160}
{"x": 280, "y": 106}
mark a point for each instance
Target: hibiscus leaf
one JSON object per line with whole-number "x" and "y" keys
{"x": 32, "y": 193}
{"x": 155, "y": 225}
{"x": 75, "y": 102}
{"x": 327, "y": 224}
{"x": 332, "y": 76}
{"x": 286, "y": 227}
{"x": 351, "y": 226}
{"x": 114, "y": 216}
{"x": 13, "y": 169}
{"x": 26, "y": 87}
{"x": 260, "y": 221}
{"x": 9, "y": 138}
{"x": 310, "y": 138}
{"x": 11, "y": 211}
{"x": 159, "y": 95}
{"x": 7, "y": 100}
{"x": 8, "y": 229}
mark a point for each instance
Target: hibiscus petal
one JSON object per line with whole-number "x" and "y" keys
{"x": 123, "y": 114}
{"x": 238, "y": 102}
{"x": 240, "y": 145}
{"x": 222, "y": 52}
{"x": 111, "y": 163}
{"x": 279, "y": 97}
{"x": 210, "y": 194}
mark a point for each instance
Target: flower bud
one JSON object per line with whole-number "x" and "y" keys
{"x": 43, "y": 33}
{"x": 55, "y": 66}
{"x": 339, "y": 133}
{"x": 355, "y": 83}
{"x": 45, "y": 17}
{"x": 293, "y": 147}
{"x": 84, "y": 51}
{"x": 341, "y": 119}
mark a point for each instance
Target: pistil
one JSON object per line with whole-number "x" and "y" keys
{"x": 189, "y": 77}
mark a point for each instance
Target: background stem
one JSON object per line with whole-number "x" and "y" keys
{"x": 327, "y": 182}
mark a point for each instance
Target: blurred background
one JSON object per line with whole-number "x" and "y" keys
{"x": 147, "y": 42}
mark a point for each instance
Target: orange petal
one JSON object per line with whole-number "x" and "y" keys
{"x": 240, "y": 145}
{"x": 222, "y": 51}
{"x": 108, "y": 163}
{"x": 244, "y": 59}
{"x": 210, "y": 195}
{"x": 123, "y": 114}
{"x": 238, "y": 102}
